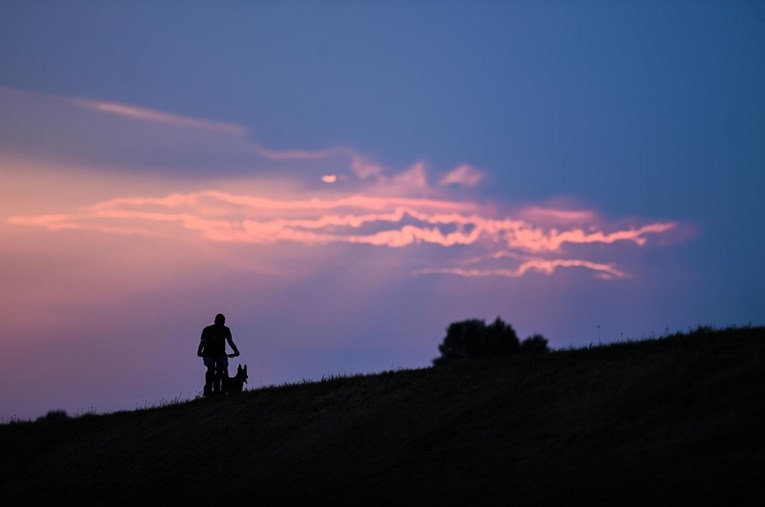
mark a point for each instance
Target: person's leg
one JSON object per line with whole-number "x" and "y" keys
{"x": 209, "y": 375}
{"x": 224, "y": 366}
{"x": 221, "y": 370}
{"x": 216, "y": 384}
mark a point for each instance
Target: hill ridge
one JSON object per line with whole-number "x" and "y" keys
{"x": 665, "y": 420}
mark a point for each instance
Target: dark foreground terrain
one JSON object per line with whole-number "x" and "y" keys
{"x": 673, "y": 421}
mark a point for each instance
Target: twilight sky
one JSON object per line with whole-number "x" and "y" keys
{"x": 345, "y": 179}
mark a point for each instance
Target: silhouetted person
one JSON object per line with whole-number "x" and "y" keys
{"x": 212, "y": 349}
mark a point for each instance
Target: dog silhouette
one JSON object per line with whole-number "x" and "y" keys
{"x": 236, "y": 383}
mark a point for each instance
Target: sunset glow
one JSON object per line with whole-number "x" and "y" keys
{"x": 377, "y": 221}
{"x": 343, "y": 194}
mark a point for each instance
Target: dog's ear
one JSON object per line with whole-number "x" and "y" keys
{"x": 245, "y": 368}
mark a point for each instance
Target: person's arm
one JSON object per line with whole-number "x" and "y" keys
{"x": 233, "y": 346}
{"x": 201, "y": 347}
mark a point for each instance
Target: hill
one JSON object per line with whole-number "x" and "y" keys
{"x": 673, "y": 420}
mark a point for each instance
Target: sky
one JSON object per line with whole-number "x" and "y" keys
{"x": 342, "y": 180}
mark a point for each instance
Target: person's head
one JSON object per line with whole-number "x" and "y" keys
{"x": 220, "y": 319}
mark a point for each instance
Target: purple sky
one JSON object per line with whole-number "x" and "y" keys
{"x": 345, "y": 179}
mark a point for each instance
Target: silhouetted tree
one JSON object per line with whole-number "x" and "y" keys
{"x": 472, "y": 338}
{"x": 534, "y": 344}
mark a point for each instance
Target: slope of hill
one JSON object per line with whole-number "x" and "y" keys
{"x": 668, "y": 421}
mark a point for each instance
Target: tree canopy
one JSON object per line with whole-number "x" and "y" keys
{"x": 473, "y": 338}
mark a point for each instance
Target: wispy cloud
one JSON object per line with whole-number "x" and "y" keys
{"x": 143, "y": 114}
{"x": 413, "y": 177}
{"x": 370, "y": 206}
{"x": 234, "y": 142}
{"x": 465, "y": 175}
{"x": 302, "y": 154}
{"x": 388, "y": 222}
{"x": 546, "y": 266}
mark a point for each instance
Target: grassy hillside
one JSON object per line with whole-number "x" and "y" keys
{"x": 666, "y": 421}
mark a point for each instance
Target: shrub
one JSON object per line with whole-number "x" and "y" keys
{"x": 534, "y": 344}
{"x": 54, "y": 415}
{"x": 472, "y": 338}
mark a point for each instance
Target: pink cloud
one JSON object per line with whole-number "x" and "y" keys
{"x": 537, "y": 239}
{"x": 464, "y": 175}
{"x": 384, "y": 208}
{"x": 545, "y": 266}
{"x": 540, "y": 214}
{"x": 364, "y": 169}
{"x": 380, "y": 221}
{"x": 415, "y": 176}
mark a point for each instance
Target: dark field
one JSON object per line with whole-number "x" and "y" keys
{"x": 673, "y": 421}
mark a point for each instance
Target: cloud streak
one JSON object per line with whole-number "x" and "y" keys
{"x": 76, "y": 127}
{"x": 370, "y": 206}
{"x": 546, "y": 266}
{"x": 377, "y": 221}
{"x": 143, "y": 114}
{"x": 464, "y": 175}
